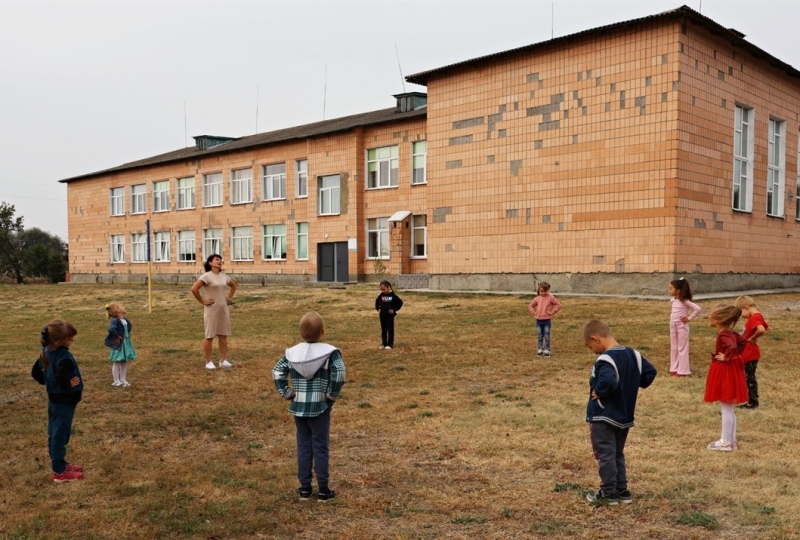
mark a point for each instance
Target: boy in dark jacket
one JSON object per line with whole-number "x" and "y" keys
{"x": 617, "y": 375}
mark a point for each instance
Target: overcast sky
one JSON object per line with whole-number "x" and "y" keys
{"x": 89, "y": 85}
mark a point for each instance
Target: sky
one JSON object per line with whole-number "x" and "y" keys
{"x": 85, "y": 86}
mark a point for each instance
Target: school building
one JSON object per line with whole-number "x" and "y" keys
{"x": 607, "y": 161}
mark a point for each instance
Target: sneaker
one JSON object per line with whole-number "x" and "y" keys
{"x": 624, "y": 496}
{"x": 126, "y": 384}
{"x": 305, "y": 493}
{"x": 325, "y": 496}
{"x": 116, "y": 383}
{"x": 721, "y": 446}
{"x": 547, "y": 354}
{"x": 540, "y": 352}
{"x": 211, "y": 365}
{"x": 602, "y": 497}
{"x": 748, "y": 406}
{"x": 67, "y": 476}
{"x": 381, "y": 347}
{"x": 74, "y": 468}
{"x": 225, "y": 363}
{"x": 388, "y": 348}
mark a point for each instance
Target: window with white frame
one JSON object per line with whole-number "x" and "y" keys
{"x": 242, "y": 186}
{"x": 117, "y": 201}
{"x": 185, "y": 193}
{"x": 161, "y": 246}
{"x": 117, "y": 248}
{"x": 382, "y": 167}
{"x": 329, "y": 191}
{"x": 138, "y": 247}
{"x": 302, "y": 242}
{"x": 186, "y": 251}
{"x": 212, "y": 189}
{"x": 301, "y": 183}
{"x": 274, "y": 184}
{"x": 743, "y": 149}
{"x": 419, "y": 236}
{"x": 419, "y": 156}
{"x": 776, "y": 167}
{"x": 138, "y": 199}
{"x": 242, "y": 243}
{"x": 274, "y": 242}
{"x": 161, "y": 196}
{"x": 378, "y": 238}
{"x": 212, "y": 242}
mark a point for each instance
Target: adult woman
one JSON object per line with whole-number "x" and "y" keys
{"x": 216, "y": 319}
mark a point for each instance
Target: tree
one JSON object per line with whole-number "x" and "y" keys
{"x": 10, "y": 244}
{"x": 43, "y": 255}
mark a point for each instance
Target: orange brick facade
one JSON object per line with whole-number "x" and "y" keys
{"x": 601, "y": 162}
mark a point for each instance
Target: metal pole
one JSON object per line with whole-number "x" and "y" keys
{"x": 149, "y": 271}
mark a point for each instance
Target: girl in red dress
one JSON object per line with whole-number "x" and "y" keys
{"x": 726, "y": 382}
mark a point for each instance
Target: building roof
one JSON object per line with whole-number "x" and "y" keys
{"x": 734, "y": 36}
{"x": 326, "y": 127}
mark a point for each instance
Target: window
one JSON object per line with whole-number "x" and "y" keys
{"x": 138, "y": 200}
{"x": 139, "y": 247}
{"x": 274, "y": 182}
{"x": 797, "y": 195}
{"x": 329, "y": 195}
{"x": 117, "y": 248}
{"x": 185, "y": 193}
{"x": 776, "y": 169}
{"x": 186, "y": 252}
{"x": 419, "y": 156}
{"x": 743, "y": 145}
{"x": 242, "y": 243}
{"x": 382, "y": 166}
{"x": 161, "y": 246}
{"x": 378, "y": 238}
{"x": 212, "y": 189}
{"x": 212, "y": 242}
{"x": 242, "y": 186}
{"x": 117, "y": 201}
{"x": 275, "y": 242}
{"x": 419, "y": 236}
{"x": 161, "y": 196}
{"x": 301, "y": 172}
{"x": 302, "y": 241}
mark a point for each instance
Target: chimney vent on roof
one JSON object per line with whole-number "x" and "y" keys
{"x": 204, "y": 142}
{"x": 411, "y": 101}
{"x": 736, "y": 32}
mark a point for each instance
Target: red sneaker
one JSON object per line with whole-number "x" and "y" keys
{"x": 67, "y": 476}
{"x": 74, "y": 468}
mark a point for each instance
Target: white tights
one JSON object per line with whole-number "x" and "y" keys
{"x": 728, "y": 423}
{"x": 119, "y": 370}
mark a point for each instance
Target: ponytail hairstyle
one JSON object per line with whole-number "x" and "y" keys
{"x": 683, "y": 288}
{"x": 53, "y": 335}
{"x": 207, "y": 264}
{"x": 725, "y": 315}
{"x": 387, "y": 283}
{"x": 112, "y": 309}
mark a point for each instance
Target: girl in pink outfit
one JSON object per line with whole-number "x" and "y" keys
{"x": 683, "y": 311}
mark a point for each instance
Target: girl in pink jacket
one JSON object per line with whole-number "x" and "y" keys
{"x": 543, "y": 308}
{"x": 683, "y": 311}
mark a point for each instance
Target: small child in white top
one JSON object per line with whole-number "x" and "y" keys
{"x": 683, "y": 312}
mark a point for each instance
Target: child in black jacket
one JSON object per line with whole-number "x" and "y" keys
{"x": 387, "y": 305}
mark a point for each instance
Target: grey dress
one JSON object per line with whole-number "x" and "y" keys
{"x": 216, "y": 318}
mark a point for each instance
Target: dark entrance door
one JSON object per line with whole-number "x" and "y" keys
{"x": 332, "y": 262}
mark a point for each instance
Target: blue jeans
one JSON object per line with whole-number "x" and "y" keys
{"x": 59, "y": 428}
{"x": 313, "y": 445}
{"x": 543, "y": 328}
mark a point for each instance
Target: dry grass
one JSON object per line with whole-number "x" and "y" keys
{"x": 460, "y": 432}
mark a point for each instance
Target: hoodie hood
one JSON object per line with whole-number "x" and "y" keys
{"x": 307, "y": 358}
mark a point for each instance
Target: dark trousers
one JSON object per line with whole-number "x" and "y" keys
{"x": 387, "y": 330}
{"x": 608, "y": 444}
{"x": 59, "y": 428}
{"x": 752, "y": 383}
{"x": 543, "y": 329}
{"x": 313, "y": 445}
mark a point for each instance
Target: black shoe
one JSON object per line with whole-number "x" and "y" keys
{"x": 305, "y": 493}
{"x": 325, "y": 496}
{"x": 748, "y": 406}
{"x": 624, "y": 496}
{"x": 602, "y": 497}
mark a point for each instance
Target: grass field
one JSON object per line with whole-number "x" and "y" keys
{"x": 460, "y": 432}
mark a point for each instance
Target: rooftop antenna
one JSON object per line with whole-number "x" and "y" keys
{"x": 552, "y": 8}
{"x": 701, "y": 6}
{"x": 402, "y": 80}
{"x": 256, "y": 108}
{"x": 185, "y": 130}
{"x": 325, "y": 92}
